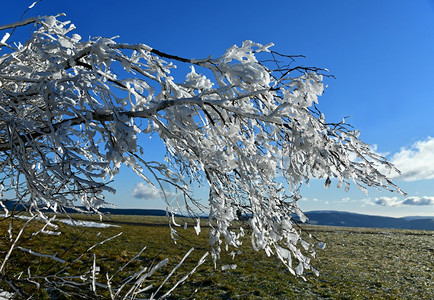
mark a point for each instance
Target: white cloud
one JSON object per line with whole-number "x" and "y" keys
{"x": 416, "y": 162}
{"x": 145, "y": 191}
{"x": 419, "y": 201}
{"x": 410, "y": 201}
{"x": 387, "y": 201}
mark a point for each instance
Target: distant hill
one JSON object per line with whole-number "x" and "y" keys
{"x": 417, "y": 217}
{"x": 114, "y": 211}
{"x": 134, "y": 211}
{"x": 323, "y": 217}
{"x": 339, "y": 218}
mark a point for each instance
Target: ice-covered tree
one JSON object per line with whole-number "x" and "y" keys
{"x": 244, "y": 124}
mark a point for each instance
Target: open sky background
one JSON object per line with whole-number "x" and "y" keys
{"x": 381, "y": 53}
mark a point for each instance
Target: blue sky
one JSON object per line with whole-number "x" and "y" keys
{"x": 381, "y": 53}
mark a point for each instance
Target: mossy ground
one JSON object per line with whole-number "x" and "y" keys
{"x": 358, "y": 263}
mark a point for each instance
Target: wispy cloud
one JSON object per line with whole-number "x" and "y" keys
{"x": 345, "y": 200}
{"x": 145, "y": 191}
{"x": 416, "y": 162}
{"x": 411, "y": 201}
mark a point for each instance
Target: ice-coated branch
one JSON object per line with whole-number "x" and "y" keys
{"x": 12, "y": 247}
{"x": 18, "y": 24}
{"x": 72, "y": 112}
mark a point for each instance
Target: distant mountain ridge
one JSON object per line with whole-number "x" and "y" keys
{"x": 347, "y": 219}
{"x": 10, "y": 205}
{"x": 417, "y": 217}
{"x": 323, "y": 217}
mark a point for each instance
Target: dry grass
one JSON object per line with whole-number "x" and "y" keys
{"x": 357, "y": 263}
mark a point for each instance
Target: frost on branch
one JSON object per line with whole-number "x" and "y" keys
{"x": 245, "y": 124}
